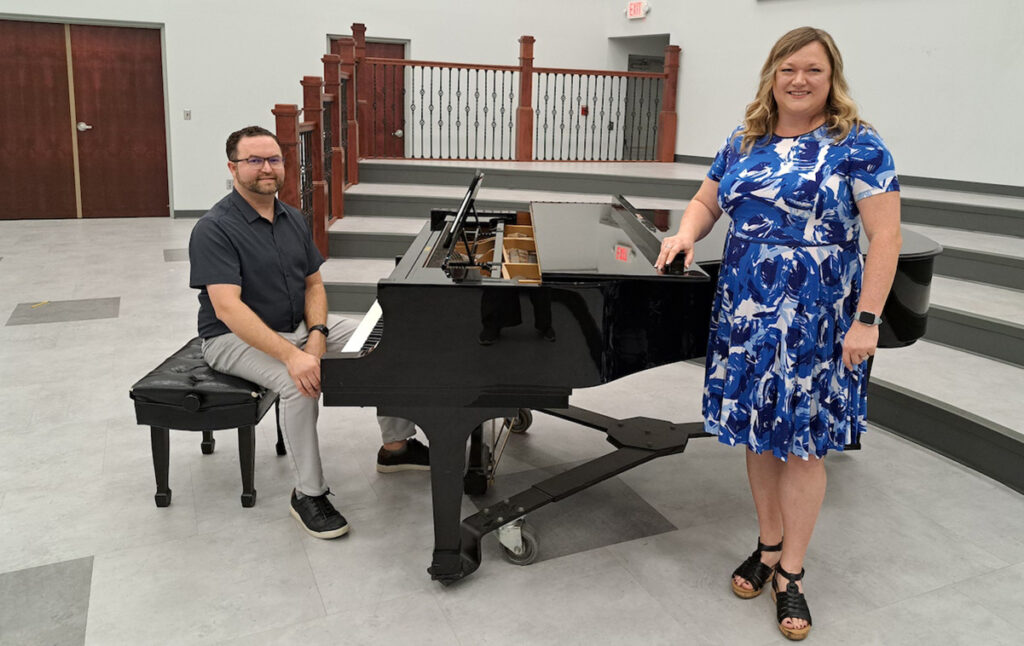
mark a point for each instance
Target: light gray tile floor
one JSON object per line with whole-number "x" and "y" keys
{"x": 46, "y": 605}
{"x": 85, "y": 309}
{"x": 175, "y": 255}
{"x": 911, "y": 547}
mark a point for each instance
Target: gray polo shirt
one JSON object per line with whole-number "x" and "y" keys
{"x": 232, "y": 244}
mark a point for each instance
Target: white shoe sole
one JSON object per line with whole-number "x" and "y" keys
{"x": 334, "y": 533}
{"x": 385, "y": 468}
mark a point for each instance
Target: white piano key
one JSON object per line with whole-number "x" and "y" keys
{"x": 355, "y": 342}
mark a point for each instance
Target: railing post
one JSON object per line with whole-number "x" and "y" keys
{"x": 332, "y": 86}
{"x": 524, "y": 113}
{"x": 287, "y": 127}
{"x": 667, "y": 117}
{"x": 313, "y": 112}
{"x": 362, "y": 73}
{"x": 347, "y": 49}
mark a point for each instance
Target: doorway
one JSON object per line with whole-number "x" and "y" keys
{"x": 82, "y": 130}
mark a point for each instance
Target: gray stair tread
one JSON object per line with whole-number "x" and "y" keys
{"x": 653, "y": 170}
{"x": 971, "y": 240}
{"x": 987, "y": 388}
{"x": 688, "y": 171}
{"x": 455, "y": 193}
{"x": 978, "y": 298}
{"x": 356, "y": 270}
{"x": 965, "y": 198}
{"x": 378, "y": 224}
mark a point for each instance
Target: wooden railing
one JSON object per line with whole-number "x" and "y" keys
{"x": 438, "y": 110}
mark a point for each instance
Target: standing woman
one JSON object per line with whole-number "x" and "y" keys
{"x": 796, "y": 310}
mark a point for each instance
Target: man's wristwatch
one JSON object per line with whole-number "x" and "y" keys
{"x": 322, "y": 329}
{"x": 867, "y": 318}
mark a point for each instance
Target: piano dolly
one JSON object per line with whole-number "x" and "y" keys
{"x": 637, "y": 440}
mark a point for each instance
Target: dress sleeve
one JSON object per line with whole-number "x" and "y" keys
{"x": 212, "y": 258}
{"x": 872, "y": 170}
{"x": 724, "y": 157}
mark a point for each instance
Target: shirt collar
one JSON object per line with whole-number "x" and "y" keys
{"x": 250, "y": 213}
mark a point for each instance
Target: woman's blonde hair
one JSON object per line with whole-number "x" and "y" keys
{"x": 763, "y": 112}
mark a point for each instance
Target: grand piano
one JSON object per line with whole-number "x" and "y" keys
{"x": 490, "y": 314}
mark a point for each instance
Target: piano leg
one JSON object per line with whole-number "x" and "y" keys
{"x": 448, "y": 429}
{"x": 477, "y": 474}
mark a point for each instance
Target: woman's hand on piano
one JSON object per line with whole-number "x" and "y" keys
{"x": 671, "y": 247}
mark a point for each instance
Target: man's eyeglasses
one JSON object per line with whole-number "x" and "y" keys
{"x": 256, "y": 163}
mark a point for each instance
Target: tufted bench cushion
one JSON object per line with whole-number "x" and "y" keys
{"x": 184, "y": 393}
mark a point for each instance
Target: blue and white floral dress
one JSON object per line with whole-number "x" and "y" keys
{"x": 788, "y": 290}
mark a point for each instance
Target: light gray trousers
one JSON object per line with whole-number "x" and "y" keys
{"x": 229, "y": 354}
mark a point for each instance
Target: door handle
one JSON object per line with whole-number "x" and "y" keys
{"x": 398, "y": 133}
{"x": 83, "y": 126}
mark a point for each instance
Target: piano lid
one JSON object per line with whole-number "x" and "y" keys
{"x": 584, "y": 241}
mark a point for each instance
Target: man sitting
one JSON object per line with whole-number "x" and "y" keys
{"x": 263, "y": 317}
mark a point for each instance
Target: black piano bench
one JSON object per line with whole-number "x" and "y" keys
{"x": 184, "y": 393}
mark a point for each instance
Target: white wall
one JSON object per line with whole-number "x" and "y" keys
{"x": 942, "y": 80}
{"x": 230, "y": 61}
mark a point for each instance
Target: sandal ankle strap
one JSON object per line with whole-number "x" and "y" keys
{"x": 793, "y": 578}
{"x": 761, "y": 547}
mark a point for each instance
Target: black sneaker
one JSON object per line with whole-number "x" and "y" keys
{"x": 318, "y": 516}
{"x": 415, "y": 457}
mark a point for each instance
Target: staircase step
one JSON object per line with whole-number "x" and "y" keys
{"x": 981, "y": 257}
{"x": 977, "y": 317}
{"x": 954, "y": 402}
{"x": 351, "y": 283}
{"x": 995, "y": 214}
{"x": 356, "y": 236}
{"x": 650, "y": 179}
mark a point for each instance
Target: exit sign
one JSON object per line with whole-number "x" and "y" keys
{"x": 637, "y": 10}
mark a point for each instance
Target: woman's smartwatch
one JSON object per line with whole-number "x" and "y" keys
{"x": 322, "y": 329}
{"x": 867, "y": 318}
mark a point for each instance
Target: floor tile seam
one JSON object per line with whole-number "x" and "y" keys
{"x": 897, "y": 501}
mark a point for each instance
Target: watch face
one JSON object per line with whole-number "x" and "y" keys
{"x": 868, "y": 318}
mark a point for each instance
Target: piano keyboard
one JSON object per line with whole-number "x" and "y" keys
{"x": 368, "y": 332}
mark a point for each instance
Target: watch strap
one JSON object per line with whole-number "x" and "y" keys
{"x": 321, "y": 329}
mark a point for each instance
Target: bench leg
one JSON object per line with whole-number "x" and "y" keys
{"x": 281, "y": 450}
{"x": 208, "y": 443}
{"x": 247, "y": 458}
{"x": 159, "y": 439}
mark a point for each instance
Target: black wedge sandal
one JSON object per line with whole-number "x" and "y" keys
{"x": 754, "y": 571}
{"x": 791, "y": 604}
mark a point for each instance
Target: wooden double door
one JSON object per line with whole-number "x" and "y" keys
{"x": 82, "y": 129}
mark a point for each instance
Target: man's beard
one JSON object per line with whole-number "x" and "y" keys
{"x": 264, "y": 188}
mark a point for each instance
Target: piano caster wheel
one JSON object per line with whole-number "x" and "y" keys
{"x": 207, "y": 447}
{"x": 163, "y": 498}
{"x": 522, "y": 421}
{"x": 249, "y": 499}
{"x": 527, "y": 551}
{"x": 474, "y": 484}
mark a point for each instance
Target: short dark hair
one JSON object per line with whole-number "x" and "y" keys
{"x": 248, "y": 131}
